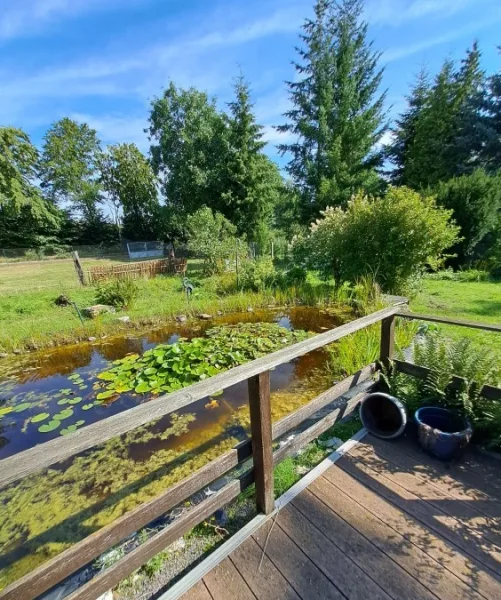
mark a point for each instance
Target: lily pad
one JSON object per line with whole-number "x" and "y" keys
{"x": 105, "y": 395}
{"x": 87, "y": 406}
{"x": 21, "y": 407}
{"x": 40, "y": 417}
{"x": 64, "y": 414}
{"x": 5, "y": 410}
{"x": 50, "y": 426}
{"x": 75, "y": 400}
{"x": 71, "y": 428}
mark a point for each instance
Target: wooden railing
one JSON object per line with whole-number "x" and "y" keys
{"x": 259, "y": 448}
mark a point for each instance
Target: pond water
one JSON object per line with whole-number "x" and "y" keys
{"x": 47, "y": 512}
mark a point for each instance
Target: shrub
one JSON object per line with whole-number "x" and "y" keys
{"x": 120, "y": 293}
{"x": 257, "y": 274}
{"x": 476, "y": 201}
{"x": 392, "y": 238}
{"x": 213, "y": 237}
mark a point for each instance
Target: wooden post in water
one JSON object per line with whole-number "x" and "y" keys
{"x": 78, "y": 268}
{"x": 262, "y": 451}
{"x": 387, "y": 340}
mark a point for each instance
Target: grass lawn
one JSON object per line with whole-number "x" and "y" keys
{"x": 474, "y": 301}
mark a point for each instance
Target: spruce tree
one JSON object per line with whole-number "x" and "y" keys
{"x": 491, "y": 152}
{"x": 404, "y": 132}
{"x": 252, "y": 182}
{"x": 337, "y": 116}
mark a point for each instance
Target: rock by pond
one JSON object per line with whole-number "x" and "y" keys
{"x": 97, "y": 309}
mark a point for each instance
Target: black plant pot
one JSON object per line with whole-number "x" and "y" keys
{"x": 441, "y": 432}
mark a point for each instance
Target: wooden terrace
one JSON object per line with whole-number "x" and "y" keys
{"x": 384, "y": 522}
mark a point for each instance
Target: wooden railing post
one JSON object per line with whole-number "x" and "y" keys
{"x": 262, "y": 450}
{"x": 387, "y": 340}
{"x": 78, "y": 267}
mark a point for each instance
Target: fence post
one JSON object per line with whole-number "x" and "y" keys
{"x": 78, "y": 267}
{"x": 387, "y": 340}
{"x": 262, "y": 450}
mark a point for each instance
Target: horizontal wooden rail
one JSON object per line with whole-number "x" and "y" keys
{"x": 44, "y": 455}
{"x": 446, "y": 321}
{"x": 489, "y": 392}
{"x": 61, "y": 566}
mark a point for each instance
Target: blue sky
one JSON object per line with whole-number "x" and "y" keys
{"x": 102, "y": 61}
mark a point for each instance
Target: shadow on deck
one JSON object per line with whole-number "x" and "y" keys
{"x": 384, "y": 522}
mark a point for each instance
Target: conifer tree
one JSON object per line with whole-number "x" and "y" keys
{"x": 337, "y": 116}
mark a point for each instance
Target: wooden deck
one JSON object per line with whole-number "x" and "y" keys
{"x": 384, "y": 522}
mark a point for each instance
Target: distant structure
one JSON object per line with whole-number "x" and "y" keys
{"x": 145, "y": 249}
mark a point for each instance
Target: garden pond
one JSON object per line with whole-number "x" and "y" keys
{"x": 52, "y": 393}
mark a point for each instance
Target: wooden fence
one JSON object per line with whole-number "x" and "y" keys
{"x": 133, "y": 270}
{"x": 259, "y": 448}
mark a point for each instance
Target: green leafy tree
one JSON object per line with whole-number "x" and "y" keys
{"x": 392, "y": 239}
{"x": 189, "y": 146}
{"x": 26, "y": 219}
{"x": 337, "y": 117}
{"x": 252, "y": 183}
{"x": 476, "y": 202}
{"x": 213, "y": 237}
{"x": 69, "y": 168}
{"x": 129, "y": 181}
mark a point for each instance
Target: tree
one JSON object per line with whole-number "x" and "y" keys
{"x": 129, "y": 181}
{"x": 189, "y": 145}
{"x": 405, "y": 130}
{"x": 492, "y": 150}
{"x": 476, "y": 203}
{"x": 337, "y": 116}
{"x": 392, "y": 239}
{"x": 213, "y": 237}
{"x": 26, "y": 219}
{"x": 252, "y": 183}
{"x": 69, "y": 172}
{"x": 443, "y": 131}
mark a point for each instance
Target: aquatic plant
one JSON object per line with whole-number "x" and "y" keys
{"x": 169, "y": 367}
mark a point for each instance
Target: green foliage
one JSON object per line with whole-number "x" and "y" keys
{"x": 120, "y": 293}
{"x": 447, "y": 358}
{"x": 213, "y": 237}
{"x": 337, "y": 114}
{"x": 69, "y": 167}
{"x": 392, "y": 238}
{"x": 167, "y": 368}
{"x": 461, "y": 275}
{"x": 257, "y": 274}
{"x": 129, "y": 181}
{"x": 476, "y": 202}
{"x": 189, "y": 144}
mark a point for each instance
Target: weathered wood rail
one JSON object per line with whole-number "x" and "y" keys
{"x": 259, "y": 448}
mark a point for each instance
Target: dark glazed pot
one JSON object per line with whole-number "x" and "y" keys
{"x": 441, "y": 432}
{"x": 383, "y": 415}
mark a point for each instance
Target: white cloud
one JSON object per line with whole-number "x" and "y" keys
{"x": 397, "y": 12}
{"x": 117, "y": 128}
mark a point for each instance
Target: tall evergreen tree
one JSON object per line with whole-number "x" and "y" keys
{"x": 252, "y": 182}
{"x": 404, "y": 132}
{"x": 492, "y": 149}
{"x": 337, "y": 116}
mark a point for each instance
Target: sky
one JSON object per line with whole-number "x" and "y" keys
{"x": 103, "y": 61}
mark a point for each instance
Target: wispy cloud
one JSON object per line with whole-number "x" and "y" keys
{"x": 396, "y": 12}
{"x": 111, "y": 128}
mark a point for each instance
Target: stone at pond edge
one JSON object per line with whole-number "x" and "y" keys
{"x": 4, "y": 355}
{"x": 250, "y": 309}
{"x": 97, "y": 309}
{"x": 181, "y": 318}
{"x": 124, "y": 319}
{"x": 205, "y": 317}
{"x": 17, "y": 351}
{"x": 91, "y": 339}
{"x": 219, "y": 313}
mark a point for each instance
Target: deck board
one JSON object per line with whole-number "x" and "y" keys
{"x": 386, "y": 522}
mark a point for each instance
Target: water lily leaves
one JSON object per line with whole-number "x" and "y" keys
{"x": 40, "y": 417}
{"x": 83, "y": 387}
{"x": 64, "y": 414}
{"x": 87, "y": 406}
{"x": 65, "y": 391}
{"x": 75, "y": 400}
{"x": 50, "y": 426}
{"x": 142, "y": 388}
{"x": 5, "y": 410}
{"x": 105, "y": 395}
{"x": 74, "y": 376}
{"x": 21, "y": 407}
{"x": 71, "y": 428}
{"x": 107, "y": 376}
